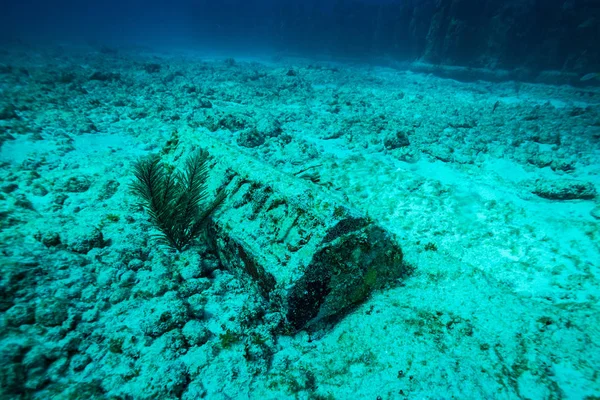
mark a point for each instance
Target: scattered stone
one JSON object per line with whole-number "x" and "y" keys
{"x": 204, "y": 103}
{"x": 442, "y": 152}
{"x": 172, "y": 76}
{"x": 108, "y": 190}
{"x": 135, "y": 264}
{"x": 250, "y": 138}
{"x": 5, "y": 136}
{"x": 51, "y": 312}
{"x": 59, "y": 201}
{"x": 233, "y": 122}
{"x": 66, "y": 77}
{"x": 127, "y": 278}
{"x": 196, "y": 303}
{"x": 546, "y": 137}
{"x": 396, "y": 140}
{"x": 171, "y": 378}
{"x": 105, "y": 76}
{"x": 88, "y": 241}
{"x": 9, "y": 188}
{"x": 80, "y": 361}
{"x": 22, "y": 201}
{"x": 50, "y": 239}
{"x": 152, "y": 68}
{"x": 162, "y": 314}
{"x": 463, "y": 122}
{"x": 564, "y": 189}
{"x": 269, "y": 127}
{"x": 191, "y": 271}
{"x": 540, "y": 160}
{"x": 209, "y": 264}
{"x": 20, "y": 314}
{"x": 77, "y": 184}
{"x": 194, "y": 286}
{"x": 562, "y": 165}
{"x": 194, "y": 391}
{"x": 119, "y": 295}
{"x": 39, "y": 190}
{"x": 58, "y": 367}
{"x": 9, "y": 112}
{"x": 196, "y": 333}
{"x": 35, "y": 361}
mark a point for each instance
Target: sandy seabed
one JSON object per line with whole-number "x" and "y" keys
{"x": 491, "y": 189}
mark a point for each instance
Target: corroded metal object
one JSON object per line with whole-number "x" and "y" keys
{"x": 304, "y": 250}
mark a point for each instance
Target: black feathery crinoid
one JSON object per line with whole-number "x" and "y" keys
{"x": 177, "y": 201}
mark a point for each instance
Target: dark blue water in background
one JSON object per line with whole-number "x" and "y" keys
{"x": 537, "y": 34}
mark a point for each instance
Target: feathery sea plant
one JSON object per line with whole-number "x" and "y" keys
{"x": 177, "y": 201}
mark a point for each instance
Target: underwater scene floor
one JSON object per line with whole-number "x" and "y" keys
{"x": 490, "y": 189}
